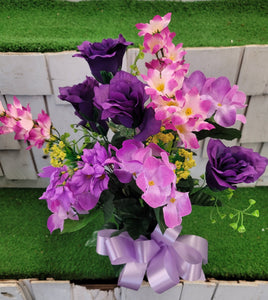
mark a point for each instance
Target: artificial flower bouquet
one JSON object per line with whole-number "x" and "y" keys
{"x": 137, "y": 139}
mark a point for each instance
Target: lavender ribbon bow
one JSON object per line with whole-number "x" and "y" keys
{"x": 166, "y": 257}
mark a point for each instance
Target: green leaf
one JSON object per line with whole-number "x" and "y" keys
{"x": 219, "y": 132}
{"x": 222, "y": 216}
{"x": 241, "y": 229}
{"x": 233, "y": 225}
{"x": 160, "y": 219}
{"x": 75, "y": 225}
{"x": 203, "y": 199}
{"x": 117, "y": 140}
{"x": 92, "y": 242}
{"x": 108, "y": 207}
{"x": 256, "y": 213}
{"x": 231, "y": 215}
{"x": 251, "y": 201}
{"x": 106, "y": 77}
{"x": 185, "y": 185}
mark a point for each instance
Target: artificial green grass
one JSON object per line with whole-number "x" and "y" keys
{"x": 28, "y": 250}
{"x": 54, "y": 25}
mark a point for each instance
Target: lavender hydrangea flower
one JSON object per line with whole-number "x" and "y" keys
{"x": 122, "y": 100}
{"x": 81, "y": 97}
{"x": 228, "y": 166}
{"x": 90, "y": 180}
{"x": 59, "y": 197}
{"x": 105, "y": 56}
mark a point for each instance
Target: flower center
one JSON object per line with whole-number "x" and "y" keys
{"x": 219, "y": 104}
{"x": 160, "y": 87}
{"x": 188, "y": 111}
{"x": 102, "y": 177}
{"x": 171, "y": 103}
{"x": 151, "y": 183}
{"x": 172, "y": 200}
{"x": 181, "y": 129}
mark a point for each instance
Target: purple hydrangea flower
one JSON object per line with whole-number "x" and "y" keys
{"x": 81, "y": 97}
{"x": 122, "y": 100}
{"x": 59, "y": 197}
{"x": 228, "y": 166}
{"x": 67, "y": 196}
{"x": 90, "y": 179}
{"x": 105, "y": 56}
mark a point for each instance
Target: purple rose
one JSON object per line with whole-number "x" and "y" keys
{"x": 105, "y": 56}
{"x": 81, "y": 98}
{"x": 228, "y": 166}
{"x": 122, "y": 100}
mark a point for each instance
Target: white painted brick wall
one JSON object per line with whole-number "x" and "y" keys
{"x": 35, "y": 78}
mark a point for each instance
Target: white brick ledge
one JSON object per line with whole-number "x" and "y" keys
{"x": 33, "y": 289}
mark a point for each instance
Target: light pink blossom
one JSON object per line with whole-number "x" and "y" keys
{"x": 156, "y": 25}
{"x": 178, "y": 206}
{"x": 156, "y": 180}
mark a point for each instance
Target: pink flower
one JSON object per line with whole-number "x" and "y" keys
{"x": 225, "y": 100}
{"x": 156, "y": 25}
{"x": 156, "y": 180}
{"x": 173, "y": 53}
{"x": 41, "y": 131}
{"x": 178, "y": 206}
{"x": 16, "y": 119}
{"x": 153, "y": 43}
{"x": 164, "y": 83}
{"x": 2, "y": 110}
{"x": 129, "y": 159}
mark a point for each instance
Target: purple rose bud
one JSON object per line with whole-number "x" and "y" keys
{"x": 228, "y": 166}
{"x": 81, "y": 97}
{"x": 105, "y": 56}
{"x": 122, "y": 100}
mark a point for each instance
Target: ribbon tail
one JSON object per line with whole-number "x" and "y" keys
{"x": 194, "y": 272}
{"x": 198, "y": 243}
{"x": 162, "y": 272}
{"x": 132, "y": 275}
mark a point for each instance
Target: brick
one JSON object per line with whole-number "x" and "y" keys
{"x": 215, "y": 62}
{"x": 66, "y": 70}
{"x": 253, "y": 77}
{"x": 23, "y": 74}
{"x": 145, "y": 292}
{"x": 11, "y": 290}
{"x": 18, "y": 164}
{"x": 262, "y": 292}
{"x": 81, "y": 293}
{"x": 7, "y": 142}
{"x": 50, "y": 290}
{"x": 62, "y": 116}
{"x": 256, "y": 128}
{"x": 233, "y": 291}
{"x": 197, "y": 290}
